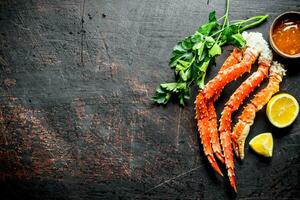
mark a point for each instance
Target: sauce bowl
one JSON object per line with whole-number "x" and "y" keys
{"x": 278, "y": 19}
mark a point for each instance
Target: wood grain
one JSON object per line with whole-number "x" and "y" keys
{"x": 76, "y": 116}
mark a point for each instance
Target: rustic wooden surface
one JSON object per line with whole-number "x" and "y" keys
{"x": 76, "y": 116}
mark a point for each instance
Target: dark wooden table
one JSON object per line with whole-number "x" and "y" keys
{"x": 77, "y": 120}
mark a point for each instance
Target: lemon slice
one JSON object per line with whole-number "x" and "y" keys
{"x": 262, "y": 144}
{"x": 282, "y": 110}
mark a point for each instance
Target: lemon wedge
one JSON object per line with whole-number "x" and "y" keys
{"x": 262, "y": 144}
{"x": 282, "y": 110}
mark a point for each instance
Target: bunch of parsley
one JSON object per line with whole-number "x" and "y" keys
{"x": 191, "y": 57}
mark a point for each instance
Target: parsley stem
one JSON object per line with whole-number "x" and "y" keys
{"x": 259, "y": 17}
{"x": 240, "y": 22}
{"x": 263, "y": 18}
{"x": 216, "y": 33}
{"x": 225, "y": 22}
{"x": 221, "y": 18}
{"x": 222, "y": 43}
{"x": 237, "y": 21}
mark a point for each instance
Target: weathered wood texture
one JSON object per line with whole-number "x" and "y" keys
{"x": 77, "y": 120}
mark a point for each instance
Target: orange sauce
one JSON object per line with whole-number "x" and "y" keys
{"x": 286, "y": 36}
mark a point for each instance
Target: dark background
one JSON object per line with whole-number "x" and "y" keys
{"x": 76, "y": 116}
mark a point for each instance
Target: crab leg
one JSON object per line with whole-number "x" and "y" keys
{"x": 240, "y": 95}
{"x": 233, "y": 59}
{"x": 246, "y": 119}
{"x": 211, "y": 143}
{"x": 232, "y": 105}
{"x": 213, "y": 131}
{"x": 216, "y": 85}
{"x": 202, "y": 122}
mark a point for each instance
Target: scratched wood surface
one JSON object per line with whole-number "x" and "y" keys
{"x": 76, "y": 116}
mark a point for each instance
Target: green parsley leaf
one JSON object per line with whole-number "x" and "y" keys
{"x": 212, "y": 16}
{"x": 238, "y": 40}
{"x": 206, "y": 29}
{"x": 187, "y": 43}
{"x": 200, "y": 51}
{"x": 215, "y": 50}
